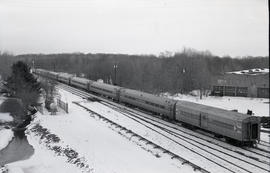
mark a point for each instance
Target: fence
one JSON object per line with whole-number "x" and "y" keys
{"x": 62, "y": 105}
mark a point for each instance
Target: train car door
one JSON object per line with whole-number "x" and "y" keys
{"x": 69, "y": 79}
{"x": 200, "y": 120}
{"x": 117, "y": 94}
{"x": 173, "y": 112}
{"x": 204, "y": 121}
{"x": 255, "y": 131}
{"x": 88, "y": 86}
{"x": 248, "y": 131}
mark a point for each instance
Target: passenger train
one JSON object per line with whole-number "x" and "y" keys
{"x": 239, "y": 128}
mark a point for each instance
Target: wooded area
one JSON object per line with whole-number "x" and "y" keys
{"x": 181, "y": 72}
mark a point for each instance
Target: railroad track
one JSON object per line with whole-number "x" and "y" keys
{"x": 197, "y": 141}
{"x": 263, "y": 151}
{"x": 141, "y": 138}
{"x": 265, "y": 131}
{"x": 176, "y": 128}
{"x": 235, "y": 159}
{"x": 265, "y": 143}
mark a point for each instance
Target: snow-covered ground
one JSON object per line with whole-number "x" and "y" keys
{"x": 5, "y": 117}
{"x": 6, "y": 136}
{"x": 97, "y": 144}
{"x": 1, "y": 99}
{"x": 42, "y": 161}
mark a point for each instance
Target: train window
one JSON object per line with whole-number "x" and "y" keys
{"x": 242, "y": 91}
{"x": 130, "y": 97}
{"x": 78, "y": 82}
{"x": 188, "y": 115}
{"x": 101, "y": 89}
{"x": 254, "y": 131}
{"x": 154, "y": 104}
{"x": 162, "y": 107}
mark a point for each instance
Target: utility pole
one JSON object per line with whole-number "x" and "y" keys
{"x": 54, "y": 67}
{"x": 115, "y": 69}
{"x": 33, "y": 63}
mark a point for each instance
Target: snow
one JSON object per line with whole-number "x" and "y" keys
{"x": 104, "y": 149}
{"x": 43, "y": 161}
{"x": 157, "y": 138}
{"x": 1, "y": 99}
{"x": 265, "y": 137}
{"x": 6, "y": 136}
{"x": 5, "y": 117}
{"x": 255, "y": 71}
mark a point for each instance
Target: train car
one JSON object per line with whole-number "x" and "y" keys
{"x": 80, "y": 82}
{"x": 233, "y": 126}
{"x": 65, "y": 78}
{"x": 41, "y": 72}
{"x": 105, "y": 90}
{"x": 149, "y": 102}
{"x": 46, "y": 73}
{"x": 185, "y": 113}
{"x": 52, "y": 75}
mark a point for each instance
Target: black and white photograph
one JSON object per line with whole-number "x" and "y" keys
{"x": 134, "y": 86}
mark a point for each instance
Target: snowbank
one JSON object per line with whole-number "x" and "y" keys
{"x": 15, "y": 170}
{"x": 5, "y": 117}
{"x": 43, "y": 161}
{"x": 6, "y": 136}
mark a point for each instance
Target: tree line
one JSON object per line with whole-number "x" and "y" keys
{"x": 179, "y": 72}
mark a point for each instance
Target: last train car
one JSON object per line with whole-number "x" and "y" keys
{"x": 233, "y": 126}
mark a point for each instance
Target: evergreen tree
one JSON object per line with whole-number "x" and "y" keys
{"x": 23, "y": 85}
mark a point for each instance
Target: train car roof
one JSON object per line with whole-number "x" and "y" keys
{"x": 39, "y": 69}
{"x": 213, "y": 110}
{"x": 52, "y": 72}
{"x": 65, "y": 74}
{"x": 81, "y": 79}
{"x": 105, "y": 85}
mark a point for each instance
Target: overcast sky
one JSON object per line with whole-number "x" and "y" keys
{"x": 224, "y": 27}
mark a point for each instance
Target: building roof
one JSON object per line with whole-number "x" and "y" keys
{"x": 255, "y": 71}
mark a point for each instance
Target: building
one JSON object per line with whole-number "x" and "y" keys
{"x": 245, "y": 83}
